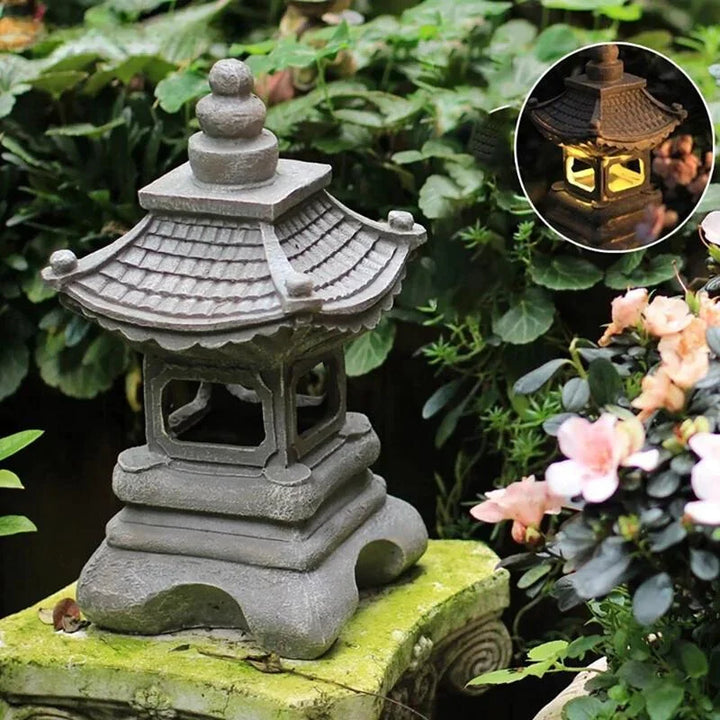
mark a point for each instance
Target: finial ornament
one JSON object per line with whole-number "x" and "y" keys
{"x": 605, "y": 65}
{"x": 233, "y": 147}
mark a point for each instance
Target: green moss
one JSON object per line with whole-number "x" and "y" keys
{"x": 454, "y": 582}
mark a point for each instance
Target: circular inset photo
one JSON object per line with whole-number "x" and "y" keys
{"x": 614, "y": 147}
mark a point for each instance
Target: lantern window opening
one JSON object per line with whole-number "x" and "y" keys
{"x": 317, "y": 401}
{"x": 201, "y": 412}
{"x": 580, "y": 172}
{"x": 625, "y": 173}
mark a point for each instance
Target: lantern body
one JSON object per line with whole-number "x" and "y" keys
{"x": 252, "y": 504}
{"x": 606, "y": 124}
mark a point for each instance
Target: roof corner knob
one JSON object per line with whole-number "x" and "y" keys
{"x": 299, "y": 285}
{"x": 63, "y": 261}
{"x": 401, "y": 220}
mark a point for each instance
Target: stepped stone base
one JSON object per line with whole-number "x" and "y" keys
{"x": 438, "y": 623}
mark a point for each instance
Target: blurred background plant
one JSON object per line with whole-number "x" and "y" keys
{"x": 414, "y": 105}
{"x": 14, "y": 524}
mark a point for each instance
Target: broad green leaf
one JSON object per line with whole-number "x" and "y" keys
{"x": 179, "y": 88}
{"x": 662, "y": 700}
{"x": 440, "y": 398}
{"x": 605, "y": 383}
{"x": 363, "y": 118}
{"x": 658, "y": 269}
{"x": 694, "y": 660}
{"x": 575, "y": 394}
{"x": 500, "y": 677}
{"x": 563, "y": 272}
{"x": 622, "y": 13}
{"x": 405, "y": 157}
{"x": 14, "y": 365}
{"x": 14, "y": 443}
{"x": 530, "y": 577}
{"x": 535, "y": 379}
{"x": 653, "y": 598}
{"x": 56, "y": 83}
{"x": 14, "y": 524}
{"x": 531, "y": 317}
{"x": 662, "y": 485}
{"x": 438, "y": 197}
{"x": 9, "y": 480}
{"x": 369, "y": 350}
{"x": 583, "y": 708}
{"x": 579, "y": 647}
{"x": 605, "y": 571}
{"x": 85, "y": 129}
{"x": 637, "y": 674}
{"x": 555, "y": 41}
{"x": 555, "y": 649}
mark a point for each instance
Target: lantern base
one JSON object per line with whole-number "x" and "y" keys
{"x": 606, "y": 224}
{"x": 297, "y": 614}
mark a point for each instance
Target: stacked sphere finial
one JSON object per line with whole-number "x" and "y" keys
{"x": 233, "y": 147}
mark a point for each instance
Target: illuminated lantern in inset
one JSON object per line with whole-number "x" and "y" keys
{"x": 607, "y": 124}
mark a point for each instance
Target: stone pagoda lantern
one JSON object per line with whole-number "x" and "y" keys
{"x": 606, "y": 123}
{"x": 252, "y": 504}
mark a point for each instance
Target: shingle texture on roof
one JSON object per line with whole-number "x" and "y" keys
{"x": 205, "y": 273}
{"x": 627, "y": 118}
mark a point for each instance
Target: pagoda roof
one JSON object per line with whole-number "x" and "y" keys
{"x": 201, "y": 275}
{"x": 613, "y": 110}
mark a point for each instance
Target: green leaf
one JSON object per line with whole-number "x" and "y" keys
{"x": 555, "y": 41}
{"x": 530, "y": 577}
{"x": 579, "y": 647}
{"x": 658, "y": 269}
{"x": 535, "y": 379}
{"x": 662, "y": 700}
{"x": 438, "y": 197}
{"x": 14, "y": 365}
{"x": 622, "y": 13}
{"x": 56, "y": 83}
{"x": 583, "y": 708}
{"x": 14, "y": 443}
{"x": 440, "y": 398}
{"x": 405, "y": 157}
{"x": 575, "y": 394}
{"x": 693, "y": 660}
{"x": 704, "y": 564}
{"x": 563, "y": 272}
{"x": 9, "y": 480}
{"x": 179, "y": 88}
{"x": 605, "y": 383}
{"x": 449, "y": 422}
{"x": 637, "y": 674}
{"x": 85, "y": 129}
{"x": 653, "y": 598}
{"x": 527, "y": 320}
{"x": 369, "y": 351}
{"x": 14, "y": 524}
{"x": 553, "y": 650}
{"x": 500, "y": 677}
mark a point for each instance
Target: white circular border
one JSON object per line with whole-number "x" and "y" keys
{"x": 517, "y": 163}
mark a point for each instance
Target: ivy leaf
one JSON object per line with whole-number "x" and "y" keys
{"x": 662, "y": 700}
{"x": 653, "y": 599}
{"x": 438, "y": 197}
{"x": 369, "y": 350}
{"x": 14, "y": 524}
{"x": 575, "y": 394}
{"x": 604, "y": 381}
{"x": 563, "y": 272}
{"x": 694, "y": 660}
{"x": 535, "y": 379}
{"x": 659, "y": 269}
{"x": 179, "y": 88}
{"x": 531, "y": 317}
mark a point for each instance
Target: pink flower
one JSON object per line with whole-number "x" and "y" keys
{"x": 524, "y": 502}
{"x": 709, "y": 308}
{"x": 710, "y": 227}
{"x": 595, "y": 451}
{"x": 665, "y": 316}
{"x": 626, "y": 312}
{"x": 658, "y": 391}
{"x": 705, "y": 480}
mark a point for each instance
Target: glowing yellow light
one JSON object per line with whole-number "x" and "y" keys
{"x": 580, "y": 173}
{"x": 623, "y": 177}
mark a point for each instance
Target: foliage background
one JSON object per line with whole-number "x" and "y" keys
{"x": 414, "y": 109}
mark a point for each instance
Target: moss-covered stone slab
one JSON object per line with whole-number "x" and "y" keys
{"x": 439, "y": 621}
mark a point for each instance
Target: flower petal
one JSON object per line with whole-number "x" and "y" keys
{"x": 489, "y": 512}
{"x": 647, "y": 460}
{"x": 565, "y": 478}
{"x": 706, "y": 480}
{"x": 600, "y": 487}
{"x": 706, "y": 444}
{"x": 703, "y": 512}
{"x": 711, "y": 227}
